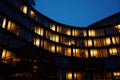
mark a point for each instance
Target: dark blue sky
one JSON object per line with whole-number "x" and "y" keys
{"x": 77, "y": 12}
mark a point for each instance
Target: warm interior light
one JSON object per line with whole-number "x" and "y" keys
{"x": 4, "y": 23}
{"x": 57, "y": 38}
{"x": 118, "y": 27}
{"x": 59, "y": 28}
{"x": 89, "y": 42}
{"x": 116, "y": 73}
{"x": 93, "y": 53}
{"x": 39, "y": 31}
{"x": 108, "y": 41}
{"x": 6, "y": 54}
{"x": 84, "y": 33}
{"x": 91, "y": 32}
{"x": 24, "y": 9}
{"x": 52, "y": 27}
{"x": 52, "y": 48}
{"x": 68, "y": 51}
{"x": 113, "y": 51}
{"x": 37, "y": 41}
{"x": 32, "y": 13}
{"x": 69, "y": 76}
{"x": 11, "y": 26}
{"x": 59, "y": 49}
{"x": 68, "y": 32}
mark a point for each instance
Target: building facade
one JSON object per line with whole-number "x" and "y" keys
{"x": 34, "y": 47}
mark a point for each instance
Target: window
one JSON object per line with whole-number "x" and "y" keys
{"x": 59, "y": 49}
{"x": 93, "y": 53}
{"x": 88, "y": 43}
{"x": 116, "y": 75}
{"x": 67, "y": 51}
{"x": 68, "y": 31}
{"x": 59, "y": 29}
{"x": 52, "y": 47}
{"x": 37, "y": 42}
{"x": 107, "y": 41}
{"x": 32, "y": 14}
{"x": 39, "y": 30}
{"x": 118, "y": 27}
{"x": 75, "y": 32}
{"x": 52, "y": 27}
{"x": 91, "y": 32}
{"x": 113, "y": 51}
{"x": 4, "y": 23}
{"x": 84, "y": 33}
{"x": 24, "y": 9}
{"x": 115, "y": 40}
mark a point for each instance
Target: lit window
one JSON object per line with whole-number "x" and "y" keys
{"x": 32, "y": 14}
{"x": 93, "y": 53}
{"x": 107, "y": 41}
{"x": 116, "y": 73}
{"x": 37, "y": 41}
{"x": 68, "y": 32}
{"x": 59, "y": 49}
{"x": 52, "y": 27}
{"x": 24, "y": 9}
{"x": 39, "y": 30}
{"x": 52, "y": 48}
{"x": 118, "y": 27}
{"x": 115, "y": 40}
{"x": 84, "y": 33}
{"x": 11, "y": 26}
{"x": 68, "y": 51}
{"x": 6, "y": 54}
{"x": 113, "y": 51}
{"x": 91, "y": 32}
{"x": 57, "y": 38}
{"x": 4, "y": 23}
{"x": 75, "y": 32}
{"x": 59, "y": 29}
{"x": 89, "y": 42}
{"x": 69, "y": 75}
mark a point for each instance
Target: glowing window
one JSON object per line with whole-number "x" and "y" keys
{"x": 93, "y": 53}
{"x": 115, "y": 40}
{"x": 52, "y": 27}
{"x": 37, "y": 41}
{"x": 4, "y": 23}
{"x": 24, "y": 9}
{"x": 59, "y": 29}
{"x": 68, "y": 51}
{"x": 32, "y": 14}
{"x": 116, "y": 73}
{"x": 69, "y": 75}
{"x": 91, "y": 32}
{"x": 11, "y": 26}
{"x": 75, "y": 32}
{"x": 52, "y": 48}
{"x": 59, "y": 49}
{"x": 107, "y": 41}
{"x": 84, "y": 33}
{"x": 113, "y": 51}
{"x": 89, "y": 42}
{"x": 39, "y": 31}
{"x": 118, "y": 27}
{"x": 6, "y": 54}
{"x": 68, "y": 32}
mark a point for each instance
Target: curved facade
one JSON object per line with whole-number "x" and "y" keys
{"x": 36, "y": 47}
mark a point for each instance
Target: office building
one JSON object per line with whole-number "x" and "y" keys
{"x": 34, "y": 47}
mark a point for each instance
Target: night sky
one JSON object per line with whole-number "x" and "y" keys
{"x": 77, "y": 12}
